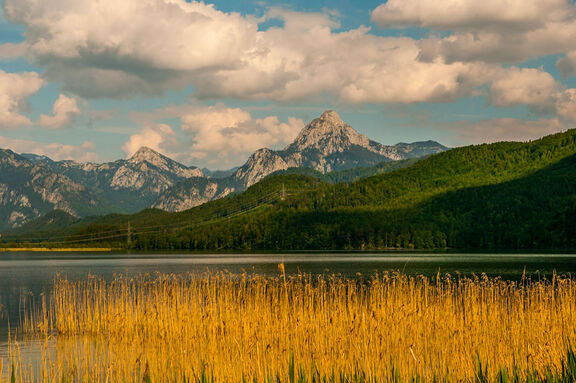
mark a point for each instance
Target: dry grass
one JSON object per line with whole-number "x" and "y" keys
{"x": 55, "y": 249}
{"x": 239, "y": 328}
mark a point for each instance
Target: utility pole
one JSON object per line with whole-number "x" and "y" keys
{"x": 129, "y": 236}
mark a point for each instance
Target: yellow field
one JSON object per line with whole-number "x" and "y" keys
{"x": 239, "y": 328}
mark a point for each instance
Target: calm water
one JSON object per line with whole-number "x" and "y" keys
{"x": 30, "y": 274}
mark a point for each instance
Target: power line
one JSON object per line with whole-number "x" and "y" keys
{"x": 89, "y": 236}
{"x": 128, "y": 232}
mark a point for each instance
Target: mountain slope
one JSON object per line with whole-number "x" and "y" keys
{"x": 488, "y": 196}
{"x": 128, "y": 185}
{"x": 325, "y": 145}
{"x": 506, "y": 195}
{"x": 498, "y": 196}
{"x": 192, "y": 192}
{"x": 149, "y": 179}
{"x": 113, "y": 227}
{"x": 28, "y": 190}
{"x": 352, "y": 174}
{"x": 53, "y": 220}
{"x": 328, "y": 144}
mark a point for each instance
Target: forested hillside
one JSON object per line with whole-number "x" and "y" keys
{"x": 498, "y": 196}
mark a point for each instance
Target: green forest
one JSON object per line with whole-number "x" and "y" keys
{"x": 502, "y": 196}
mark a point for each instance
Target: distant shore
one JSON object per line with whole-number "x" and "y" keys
{"x": 56, "y": 249}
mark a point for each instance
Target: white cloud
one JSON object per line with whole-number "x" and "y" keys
{"x": 526, "y": 86}
{"x": 108, "y": 48}
{"x": 94, "y": 51}
{"x": 227, "y": 136}
{"x": 83, "y": 152}
{"x": 159, "y": 137}
{"x": 493, "y": 46}
{"x": 64, "y": 112}
{"x": 470, "y": 14}
{"x": 15, "y": 88}
{"x": 489, "y": 31}
{"x": 566, "y": 105}
{"x": 306, "y": 63}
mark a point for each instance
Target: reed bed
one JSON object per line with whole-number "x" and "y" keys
{"x": 238, "y": 328}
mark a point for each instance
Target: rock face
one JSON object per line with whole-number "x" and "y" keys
{"x": 31, "y": 185}
{"x": 29, "y": 189}
{"x": 127, "y": 185}
{"x": 326, "y": 144}
{"x": 193, "y": 192}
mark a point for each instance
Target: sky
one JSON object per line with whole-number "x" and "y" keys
{"x": 208, "y": 83}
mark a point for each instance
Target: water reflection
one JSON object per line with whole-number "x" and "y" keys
{"x": 25, "y": 276}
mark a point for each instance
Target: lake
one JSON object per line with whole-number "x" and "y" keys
{"x": 31, "y": 274}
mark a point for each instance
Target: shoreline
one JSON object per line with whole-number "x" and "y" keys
{"x": 56, "y": 249}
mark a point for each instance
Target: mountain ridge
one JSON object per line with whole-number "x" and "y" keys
{"x": 501, "y": 196}
{"x": 129, "y": 184}
{"x": 326, "y": 144}
{"x": 28, "y": 190}
{"x": 150, "y": 179}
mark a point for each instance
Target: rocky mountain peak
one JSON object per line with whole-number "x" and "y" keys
{"x": 146, "y": 154}
{"x": 331, "y": 117}
{"x": 328, "y": 134}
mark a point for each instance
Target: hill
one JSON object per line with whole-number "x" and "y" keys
{"x": 506, "y": 195}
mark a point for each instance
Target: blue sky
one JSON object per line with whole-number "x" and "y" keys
{"x": 209, "y": 83}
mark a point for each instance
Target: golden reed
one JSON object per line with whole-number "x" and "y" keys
{"x": 233, "y": 328}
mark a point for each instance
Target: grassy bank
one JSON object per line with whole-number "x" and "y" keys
{"x": 220, "y": 327}
{"x": 56, "y": 249}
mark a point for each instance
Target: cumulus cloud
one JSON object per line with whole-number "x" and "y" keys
{"x": 566, "y": 105}
{"x": 501, "y": 47}
{"x": 64, "y": 112}
{"x": 95, "y": 51}
{"x": 158, "y": 137}
{"x": 470, "y": 14}
{"x": 491, "y": 31}
{"x": 108, "y": 48}
{"x": 524, "y": 86}
{"x": 15, "y": 89}
{"x": 216, "y": 136}
{"x": 83, "y": 152}
{"x": 227, "y": 136}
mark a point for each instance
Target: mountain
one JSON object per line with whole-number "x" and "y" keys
{"x": 193, "y": 191}
{"x": 508, "y": 195}
{"x": 29, "y": 189}
{"x": 54, "y": 219}
{"x": 128, "y": 185}
{"x": 150, "y": 179}
{"x": 502, "y": 196}
{"x": 352, "y": 174}
{"x": 328, "y": 144}
{"x": 325, "y": 145}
